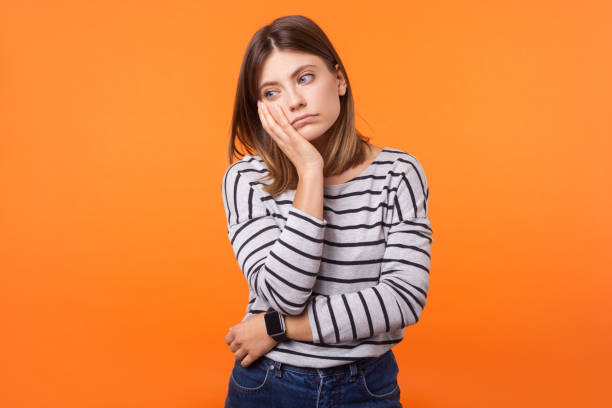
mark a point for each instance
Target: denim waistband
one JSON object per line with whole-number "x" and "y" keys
{"x": 351, "y": 368}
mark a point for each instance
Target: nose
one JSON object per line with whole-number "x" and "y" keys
{"x": 295, "y": 100}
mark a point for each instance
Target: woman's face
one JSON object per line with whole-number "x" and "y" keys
{"x": 301, "y": 84}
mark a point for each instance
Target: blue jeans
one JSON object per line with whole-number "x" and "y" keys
{"x": 369, "y": 382}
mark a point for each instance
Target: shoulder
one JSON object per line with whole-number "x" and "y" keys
{"x": 249, "y": 168}
{"x": 405, "y": 164}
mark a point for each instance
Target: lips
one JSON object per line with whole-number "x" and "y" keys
{"x": 301, "y": 117}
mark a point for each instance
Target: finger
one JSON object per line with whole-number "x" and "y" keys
{"x": 260, "y": 111}
{"x": 240, "y": 354}
{"x": 234, "y": 346}
{"x": 273, "y": 124}
{"x": 246, "y": 361}
{"x": 284, "y": 122}
{"x": 281, "y": 118}
{"x": 265, "y": 121}
{"x": 229, "y": 337}
{"x": 277, "y": 135}
{"x": 274, "y": 113}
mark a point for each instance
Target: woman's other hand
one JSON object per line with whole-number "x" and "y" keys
{"x": 304, "y": 156}
{"x": 249, "y": 340}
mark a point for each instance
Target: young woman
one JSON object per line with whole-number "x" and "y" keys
{"x": 330, "y": 232}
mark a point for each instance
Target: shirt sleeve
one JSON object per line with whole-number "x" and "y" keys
{"x": 281, "y": 266}
{"x": 399, "y": 297}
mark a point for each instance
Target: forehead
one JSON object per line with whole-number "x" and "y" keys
{"x": 281, "y": 64}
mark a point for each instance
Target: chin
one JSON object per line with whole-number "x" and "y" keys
{"x": 311, "y": 132}
{"x": 308, "y": 133}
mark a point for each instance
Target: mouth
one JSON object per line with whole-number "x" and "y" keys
{"x": 299, "y": 118}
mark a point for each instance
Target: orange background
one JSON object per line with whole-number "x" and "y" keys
{"x": 118, "y": 282}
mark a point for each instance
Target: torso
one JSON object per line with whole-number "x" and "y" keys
{"x": 355, "y": 171}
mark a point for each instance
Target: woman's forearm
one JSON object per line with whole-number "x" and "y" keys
{"x": 309, "y": 193}
{"x": 298, "y": 327}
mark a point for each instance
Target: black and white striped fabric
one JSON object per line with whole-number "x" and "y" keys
{"x": 362, "y": 273}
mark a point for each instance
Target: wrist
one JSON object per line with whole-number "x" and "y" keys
{"x": 310, "y": 173}
{"x": 298, "y": 327}
{"x": 290, "y": 327}
{"x": 275, "y": 325}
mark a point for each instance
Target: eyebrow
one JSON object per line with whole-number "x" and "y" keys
{"x": 294, "y": 73}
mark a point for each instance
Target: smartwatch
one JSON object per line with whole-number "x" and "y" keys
{"x": 275, "y": 325}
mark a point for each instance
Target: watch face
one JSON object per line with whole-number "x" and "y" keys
{"x": 273, "y": 323}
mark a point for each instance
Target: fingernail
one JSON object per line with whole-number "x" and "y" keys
{"x": 277, "y": 107}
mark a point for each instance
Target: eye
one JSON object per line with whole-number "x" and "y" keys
{"x": 265, "y": 94}
{"x": 306, "y": 75}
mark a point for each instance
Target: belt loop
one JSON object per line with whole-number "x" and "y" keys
{"x": 353, "y": 368}
{"x": 278, "y": 368}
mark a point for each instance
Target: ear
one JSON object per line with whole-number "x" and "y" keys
{"x": 341, "y": 81}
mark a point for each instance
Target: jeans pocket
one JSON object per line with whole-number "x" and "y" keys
{"x": 379, "y": 380}
{"x": 249, "y": 379}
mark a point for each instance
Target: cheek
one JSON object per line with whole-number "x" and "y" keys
{"x": 331, "y": 108}
{"x": 328, "y": 105}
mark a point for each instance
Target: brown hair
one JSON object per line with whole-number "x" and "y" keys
{"x": 346, "y": 146}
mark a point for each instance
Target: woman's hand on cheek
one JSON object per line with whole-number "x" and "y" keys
{"x": 249, "y": 340}
{"x": 296, "y": 147}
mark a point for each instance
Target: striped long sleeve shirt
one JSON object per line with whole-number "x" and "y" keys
{"x": 361, "y": 273}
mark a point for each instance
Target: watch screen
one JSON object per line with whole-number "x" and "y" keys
{"x": 273, "y": 323}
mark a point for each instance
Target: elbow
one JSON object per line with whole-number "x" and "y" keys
{"x": 288, "y": 305}
{"x": 418, "y": 311}
{"x": 287, "y": 310}
{"x": 296, "y": 307}
{"x": 295, "y": 311}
